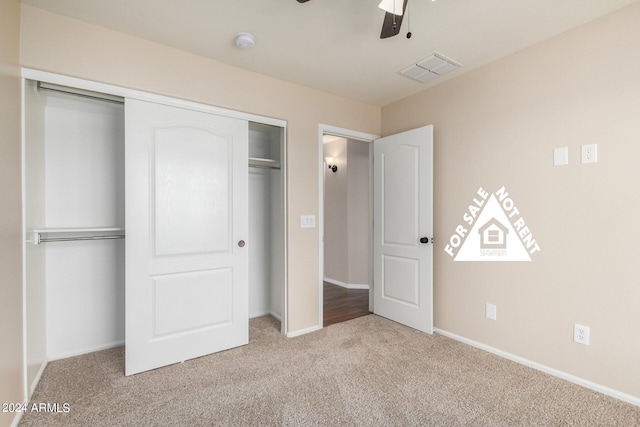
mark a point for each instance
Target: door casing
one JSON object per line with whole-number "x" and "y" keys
{"x": 324, "y": 129}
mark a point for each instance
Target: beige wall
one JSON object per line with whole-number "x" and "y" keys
{"x": 497, "y": 126}
{"x": 54, "y": 43}
{"x": 358, "y": 212}
{"x": 11, "y": 384}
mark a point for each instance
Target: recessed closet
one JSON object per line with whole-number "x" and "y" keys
{"x": 74, "y": 218}
{"x": 266, "y": 221}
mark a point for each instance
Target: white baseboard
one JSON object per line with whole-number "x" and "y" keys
{"x": 303, "y": 331}
{"x": 87, "y": 350}
{"x": 32, "y": 388}
{"x": 259, "y": 314}
{"x": 275, "y": 316}
{"x": 346, "y": 285}
{"x": 36, "y": 380}
{"x": 266, "y": 313}
{"x": 17, "y": 418}
{"x": 546, "y": 369}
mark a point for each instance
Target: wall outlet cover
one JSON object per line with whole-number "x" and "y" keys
{"x": 589, "y": 153}
{"x": 581, "y": 334}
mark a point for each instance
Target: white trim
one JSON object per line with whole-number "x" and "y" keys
{"x": 303, "y": 331}
{"x": 321, "y": 131}
{"x": 29, "y": 391}
{"x": 283, "y": 317}
{"x": 266, "y": 313}
{"x": 17, "y": 417}
{"x": 371, "y": 240}
{"x": 23, "y": 213}
{"x": 112, "y": 344}
{"x": 345, "y": 133}
{"x": 259, "y": 314}
{"x": 276, "y": 316}
{"x": 349, "y": 134}
{"x": 347, "y": 285}
{"x": 36, "y": 380}
{"x": 546, "y": 369}
{"x": 59, "y": 79}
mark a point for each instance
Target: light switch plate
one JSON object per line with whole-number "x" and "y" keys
{"x": 307, "y": 221}
{"x": 561, "y": 156}
{"x": 490, "y": 311}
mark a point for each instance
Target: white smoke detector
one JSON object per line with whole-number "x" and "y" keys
{"x": 245, "y": 40}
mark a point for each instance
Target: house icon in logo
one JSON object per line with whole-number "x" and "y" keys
{"x": 493, "y": 235}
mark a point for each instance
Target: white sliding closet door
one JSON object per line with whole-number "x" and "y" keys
{"x": 186, "y": 220}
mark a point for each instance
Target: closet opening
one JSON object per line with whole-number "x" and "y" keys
{"x": 266, "y": 221}
{"x": 74, "y": 222}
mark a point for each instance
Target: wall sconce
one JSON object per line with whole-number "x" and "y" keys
{"x": 330, "y": 164}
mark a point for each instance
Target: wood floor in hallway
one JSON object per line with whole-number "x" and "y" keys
{"x": 342, "y": 304}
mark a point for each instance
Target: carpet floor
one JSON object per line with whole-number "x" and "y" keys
{"x": 365, "y": 372}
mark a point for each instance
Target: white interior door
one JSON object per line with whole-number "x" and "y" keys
{"x": 186, "y": 218}
{"x": 403, "y": 215}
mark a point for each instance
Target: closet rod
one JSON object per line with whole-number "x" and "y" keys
{"x": 79, "y": 92}
{"x": 263, "y": 163}
{"x": 264, "y": 167}
{"x": 71, "y": 239}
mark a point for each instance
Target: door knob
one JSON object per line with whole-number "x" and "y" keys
{"x": 424, "y": 240}
{"x": 241, "y": 243}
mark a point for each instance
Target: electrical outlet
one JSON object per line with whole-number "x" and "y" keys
{"x": 590, "y": 153}
{"x": 581, "y": 334}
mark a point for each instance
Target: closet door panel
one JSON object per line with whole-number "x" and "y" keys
{"x": 208, "y": 293}
{"x": 192, "y": 191}
{"x": 186, "y": 212}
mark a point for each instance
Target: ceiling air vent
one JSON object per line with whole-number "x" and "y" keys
{"x": 429, "y": 68}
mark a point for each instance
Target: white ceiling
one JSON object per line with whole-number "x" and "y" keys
{"x": 334, "y": 45}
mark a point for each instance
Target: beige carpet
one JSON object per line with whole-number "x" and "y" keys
{"x": 364, "y": 372}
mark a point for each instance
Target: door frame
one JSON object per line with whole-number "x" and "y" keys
{"x": 74, "y": 82}
{"x": 324, "y": 129}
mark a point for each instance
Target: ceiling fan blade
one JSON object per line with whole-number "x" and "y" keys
{"x": 391, "y": 26}
{"x": 302, "y": 1}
